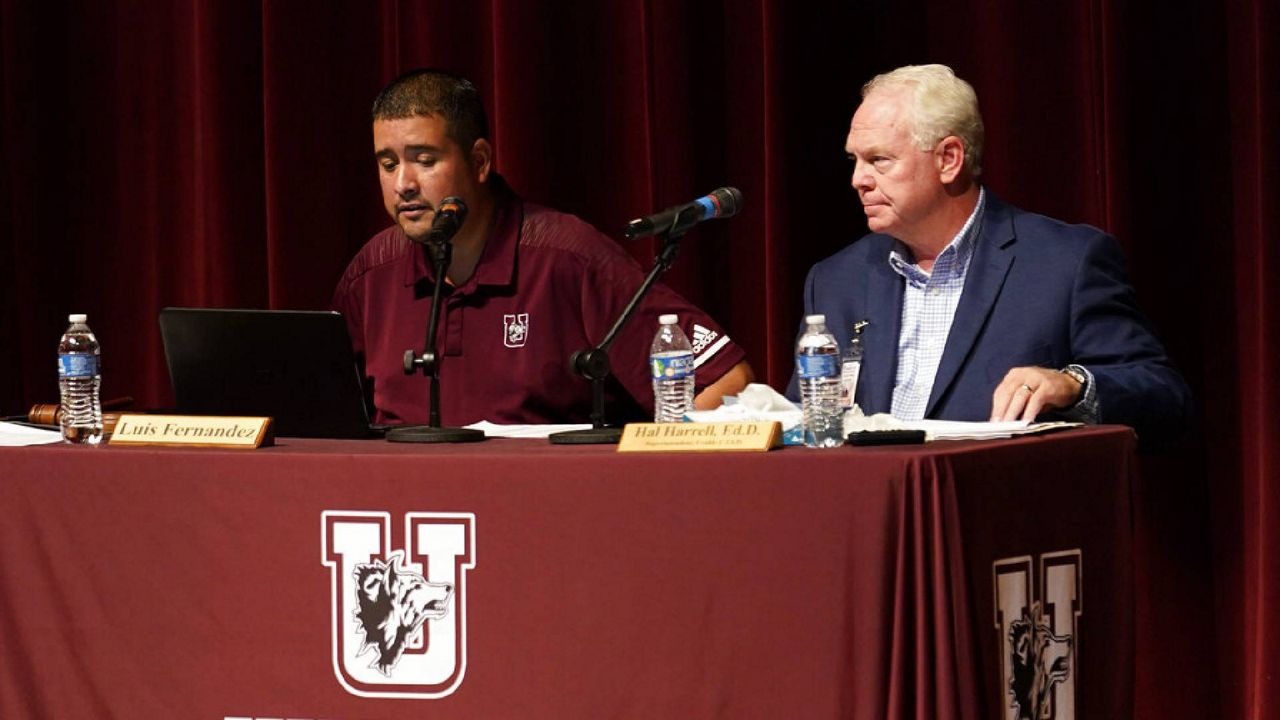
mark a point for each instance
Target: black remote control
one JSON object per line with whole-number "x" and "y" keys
{"x": 886, "y": 437}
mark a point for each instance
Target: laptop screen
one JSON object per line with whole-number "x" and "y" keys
{"x": 295, "y": 366}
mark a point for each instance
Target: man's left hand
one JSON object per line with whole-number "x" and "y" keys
{"x": 1025, "y": 392}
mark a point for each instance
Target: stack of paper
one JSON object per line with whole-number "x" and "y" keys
{"x": 952, "y": 429}
{"x": 12, "y": 435}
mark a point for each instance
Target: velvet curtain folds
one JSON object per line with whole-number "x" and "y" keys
{"x": 1247, "y": 529}
{"x": 197, "y": 153}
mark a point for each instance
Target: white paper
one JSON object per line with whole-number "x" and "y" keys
{"x": 14, "y": 435}
{"x": 952, "y": 429}
{"x": 522, "y": 431}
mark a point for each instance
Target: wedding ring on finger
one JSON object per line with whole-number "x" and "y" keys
{"x": 1030, "y": 390}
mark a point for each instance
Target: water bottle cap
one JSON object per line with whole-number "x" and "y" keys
{"x": 816, "y": 319}
{"x": 669, "y": 319}
{"x": 77, "y": 318}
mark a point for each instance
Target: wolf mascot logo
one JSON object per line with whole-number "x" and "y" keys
{"x": 1037, "y": 612}
{"x": 404, "y": 607}
{"x": 1040, "y": 660}
{"x": 392, "y": 604}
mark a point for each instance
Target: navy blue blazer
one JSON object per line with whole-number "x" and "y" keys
{"x": 1038, "y": 292}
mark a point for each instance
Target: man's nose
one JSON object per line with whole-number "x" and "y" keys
{"x": 861, "y": 179}
{"x": 406, "y": 182}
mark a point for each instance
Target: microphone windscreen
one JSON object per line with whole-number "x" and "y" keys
{"x": 453, "y": 205}
{"x": 729, "y": 199}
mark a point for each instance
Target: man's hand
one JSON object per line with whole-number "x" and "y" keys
{"x": 1025, "y": 392}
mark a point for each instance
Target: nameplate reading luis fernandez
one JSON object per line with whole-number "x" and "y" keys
{"x": 700, "y": 437}
{"x": 192, "y": 431}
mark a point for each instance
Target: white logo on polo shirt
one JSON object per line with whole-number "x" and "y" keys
{"x": 708, "y": 340}
{"x": 702, "y": 337}
{"x": 515, "y": 329}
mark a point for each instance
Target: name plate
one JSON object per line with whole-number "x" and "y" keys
{"x": 700, "y": 437}
{"x": 192, "y": 431}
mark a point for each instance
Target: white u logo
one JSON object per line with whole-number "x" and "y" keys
{"x": 1038, "y": 633}
{"x": 438, "y": 547}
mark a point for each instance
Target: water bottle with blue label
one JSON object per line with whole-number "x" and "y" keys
{"x": 671, "y": 362}
{"x": 818, "y": 369}
{"x": 79, "y": 378}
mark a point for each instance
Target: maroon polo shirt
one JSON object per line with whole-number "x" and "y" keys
{"x": 547, "y": 285}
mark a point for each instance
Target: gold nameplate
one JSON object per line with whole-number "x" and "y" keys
{"x": 192, "y": 431}
{"x": 700, "y": 437}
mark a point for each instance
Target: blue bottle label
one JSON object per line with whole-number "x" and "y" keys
{"x": 77, "y": 365}
{"x": 671, "y": 367}
{"x": 817, "y": 366}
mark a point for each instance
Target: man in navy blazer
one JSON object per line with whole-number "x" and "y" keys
{"x": 977, "y": 310}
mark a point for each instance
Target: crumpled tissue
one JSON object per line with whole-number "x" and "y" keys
{"x": 757, "y": 402}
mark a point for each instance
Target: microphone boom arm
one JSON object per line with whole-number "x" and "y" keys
{"x": 593, "y": 363}
{"x": 661, "y": 263}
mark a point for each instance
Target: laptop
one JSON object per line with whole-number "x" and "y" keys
{"x": 295, "y": 366}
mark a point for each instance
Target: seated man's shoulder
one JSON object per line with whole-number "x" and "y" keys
{"x": 1052, "y": 243}
{"x": 553, "y": 230}
{"x": 1035, "y": 228}
{"x": 870, "y": 248}
{"x": 385, "y": 248}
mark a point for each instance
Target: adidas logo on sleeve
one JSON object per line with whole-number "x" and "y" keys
{"x": 708, "y": 340}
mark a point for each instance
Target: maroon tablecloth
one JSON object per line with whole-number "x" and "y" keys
{"x": 849, "y": 583}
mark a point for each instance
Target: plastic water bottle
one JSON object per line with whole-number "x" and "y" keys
{"x": 79, "y": 376}
{"x": 818, "y": 367}
{"x": 671, "y": 360}
{"x": 850, "y": 366}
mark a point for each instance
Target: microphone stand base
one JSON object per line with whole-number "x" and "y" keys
{"x": 590, "y": 436}
{"x": 427, "y": 434}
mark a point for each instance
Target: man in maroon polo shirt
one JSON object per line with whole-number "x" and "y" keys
{"x": 527, "y": 287}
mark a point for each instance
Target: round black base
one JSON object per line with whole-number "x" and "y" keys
{"x": 425, "y": 434}
{"x": 590, "y": 436}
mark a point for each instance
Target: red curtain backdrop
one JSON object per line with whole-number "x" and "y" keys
{"x": 198, "y": 153}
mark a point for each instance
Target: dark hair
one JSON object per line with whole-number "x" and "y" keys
{"x": 427, "y": 91}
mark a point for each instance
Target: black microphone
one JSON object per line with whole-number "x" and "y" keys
{"x": 451, "y": 212}
{"x": 724, "y": 202}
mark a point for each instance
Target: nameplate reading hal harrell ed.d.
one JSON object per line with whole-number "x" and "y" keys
{"x": 700, "y": 437}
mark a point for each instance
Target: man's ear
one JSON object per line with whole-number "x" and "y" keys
{"x": 949, "y": 157}
{"x": 481, "y": 159}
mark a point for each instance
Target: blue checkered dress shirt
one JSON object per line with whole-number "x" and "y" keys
{"x": 928, "y": 307}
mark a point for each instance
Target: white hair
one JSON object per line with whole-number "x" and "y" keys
{"x": 941, "y": 105}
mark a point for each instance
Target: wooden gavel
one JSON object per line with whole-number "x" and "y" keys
{"x": 51, "y": 413}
